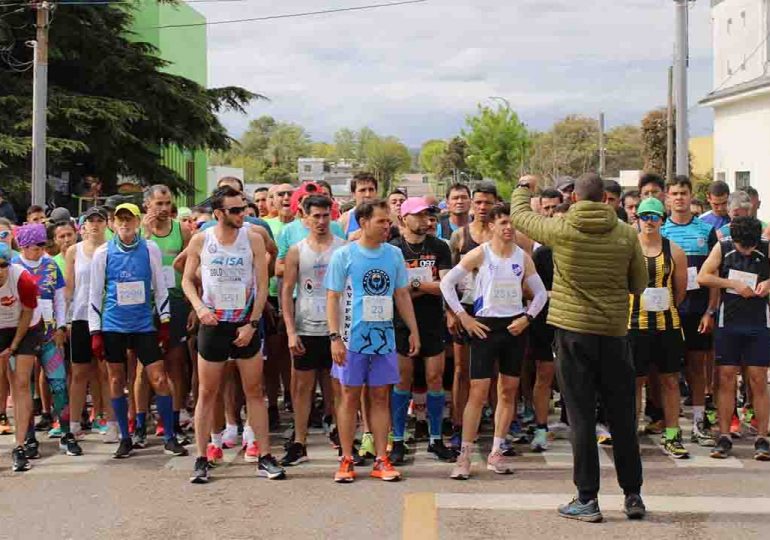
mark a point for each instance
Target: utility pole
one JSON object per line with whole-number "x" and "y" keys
{"x": 602, "y": 155}
{"x": 670, "y": 127}
{"x": 680, "y": 83}
{"x": 40, "y": 103}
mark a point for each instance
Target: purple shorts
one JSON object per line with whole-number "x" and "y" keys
{"x": 368, "y": 369}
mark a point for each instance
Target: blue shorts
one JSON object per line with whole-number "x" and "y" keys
{"x": 742, "y": 347}
{"x": 368, "y": 369}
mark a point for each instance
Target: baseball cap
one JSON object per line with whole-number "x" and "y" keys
{"x": 59, "y": 214}
{"x": 651, "y": 205}
{"x": 308, "y": 188}
{"x": 130, "y": 207}
{"x": 415, "y": 205}
{"x": 563, "y": 182}
{"x": 95, "y": 211}
{"x": 183, "y": 211}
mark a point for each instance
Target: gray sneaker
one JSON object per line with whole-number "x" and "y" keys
{"x": 702, "y": 435}
{"x": 588, "y": 512}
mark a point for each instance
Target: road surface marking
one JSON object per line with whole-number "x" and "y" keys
{"x": 420, "y": 520}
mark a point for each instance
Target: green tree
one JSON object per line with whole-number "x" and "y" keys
{"x": 453, "y": 162}
{"x": 623, "y": 150}
{"x": 324, "y": 150}
{"x": 498, "y": 143}
{"x": 363, "y": 138}
{"x": 654, "y": 137}
{"x": 386, "y": 157}
{"x": 111, "y": 108}
{"x": 345, "y": 144}
{"x": 430, "y": 155}
{"x": 571, "y": 148}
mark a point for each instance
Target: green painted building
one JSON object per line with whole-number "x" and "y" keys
{"x": 186, "y": 50}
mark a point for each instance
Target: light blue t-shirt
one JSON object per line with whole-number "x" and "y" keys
{"x": 367, "y": 278}
{"x": 296, "y": 231}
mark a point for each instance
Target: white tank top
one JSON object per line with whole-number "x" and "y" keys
{"x": 227, "y": 276}
{"x": 10, "y": 307}
{"x": 310, "y": 308}
{"x": 498, "y": 284}
{"x": 79, "y": 304}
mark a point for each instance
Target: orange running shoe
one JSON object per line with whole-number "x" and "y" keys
{"x": 346, "y": 473}
{"x": 384, "y": 470}
{"x": 252, "y": 453}
{"x": 214, "y": 454}
{"x": 735, "y": 428}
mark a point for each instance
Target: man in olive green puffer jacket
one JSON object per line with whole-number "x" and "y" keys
{"x": 597, "y": 262}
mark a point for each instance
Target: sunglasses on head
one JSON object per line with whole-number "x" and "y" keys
{"x": 4, "y": 234}
{"x": 650, "y": 217}
{"x": 235, "y": 210}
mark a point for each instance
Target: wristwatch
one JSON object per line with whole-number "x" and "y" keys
{"x": 711, "y": 312}
{"x": 334, "y": 336}
{"x": 416, "y": 283}
{"x": 255, "y": 323}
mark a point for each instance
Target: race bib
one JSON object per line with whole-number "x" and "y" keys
{"x": 313, "y": 307}
{"x": 378, "y": 308}
{"x": 692, "y": 278}
{"x": 744, "y": 277}
{"x": 46, "y": 309}
{"x": 169, "y": 277}
{"x": 656, "y": 299}
{"x": 230, "y": 296}
{"x": 131, "y": 293}
{"x": 423, "y": 275}
{"x": 506, "y": 293}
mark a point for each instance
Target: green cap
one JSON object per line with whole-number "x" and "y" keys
{"x": 651, "y": 205}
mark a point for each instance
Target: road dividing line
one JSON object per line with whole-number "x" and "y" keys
{"x": 420, "y": 519}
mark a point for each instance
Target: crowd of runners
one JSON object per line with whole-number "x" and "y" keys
{"x": 401, "y": 319}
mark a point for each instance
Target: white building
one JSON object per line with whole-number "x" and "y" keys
{"x": 741, "y": 94}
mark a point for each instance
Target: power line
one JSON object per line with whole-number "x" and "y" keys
{"x": 293, "y": 15}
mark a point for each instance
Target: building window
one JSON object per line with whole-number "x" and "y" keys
{"x": 721, "y": 177}
{"x": 742, "y": 179}
{"x": 307, "y": 168}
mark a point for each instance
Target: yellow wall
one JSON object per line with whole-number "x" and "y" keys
{"x": 702, "y": 155}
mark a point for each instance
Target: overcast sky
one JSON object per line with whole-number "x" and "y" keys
{"x": 416, "y": 71}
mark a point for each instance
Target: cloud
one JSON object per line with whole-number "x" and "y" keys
{"x": 416, "y": 71}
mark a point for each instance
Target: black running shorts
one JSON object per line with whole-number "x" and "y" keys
{"x": 500, "y": 347}
{"x": 80, "y": 343}
{"x": 662, "y": 348}
{"x": 318, "y": 354}
{"x": 30, "y": 343}
{"x": 215, "y": 343}
{"x": 144, "y": 344}
{"x": 693, "y": 340}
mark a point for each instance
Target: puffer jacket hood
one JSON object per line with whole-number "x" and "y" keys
{"x": 592, "y": 217}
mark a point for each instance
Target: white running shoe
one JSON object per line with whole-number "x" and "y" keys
{"x": 112, "y": 435}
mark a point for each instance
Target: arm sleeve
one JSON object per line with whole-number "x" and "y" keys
{"x": 27, "y": 288}
{"x": 540, "y": 298}
{"x": 449, "y": 287}
{"x": 535, "y": 226}
{"x": 96, "y": 290}
{"x": 60, "y": 307}
{"x": 158, "y": 283}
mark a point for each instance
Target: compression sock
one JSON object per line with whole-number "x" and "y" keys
{"x": 141, "y": 419}
{"x": 399, "y": 403}
{"x": 671, "y": 433}
{"x": 60, "y": 400}
{"x": 120, "y": 406}
{"x": 435, "y": 405}
{"x": 165, "y": 405}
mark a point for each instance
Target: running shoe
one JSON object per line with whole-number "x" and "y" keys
{"x": 160, "y": 431}
{"x": 761, "y": 449}
{"x": 528, "y": 415}
{"x": 230, "y": 437}
{"x": 722, "y": 448}
{"x": 398, "y": 453}
{"x": 441, "y": 452}
{"x": 124, "y": 450}
{"x": 214, "y": 454}
{"x": 32, "y": 448}
{"x": 701, "y": 434}
{"x": 517, "y": 434}
{"x": 588, "y": 511}
{"x": 55, "y": 432}
{"x": 498, "y": 463}
{"x": 5, "y": 425}
{"x": 296, "y": 454}
{"x": 654, "y": 428}
{"x": 139, "y": 438}
{"x": 268, "y": 468}
{"x": 172, "y": 448}
{"x": 367, "y": 446}
{"x": 540, "y": 440}
{"x": 675, "y": 448}
{"x": 183, "y": 439}
{"x": 200, "y": 473}
{"x": 112, "y": 434}
{"x": 558, "y": 430}
{"x": 69, "y": 445}
{"x": 384, "y": 470}
{"x": 45, "y": 423}
{"x": 421, "y": 431}
{"x": 736, "y": 432}
{"x": 603, "y": 436}
{"x": 252, "y": 453}
{"x": 99, "y": 425}
{"x": 274, "y": 419}
{"x": 185, "y": 420}
{"x": 346, "y": 472}
{"x": 633, "y": 506}
{"x": 508, "y": 449}
{"x": 328, "y": 423}
{"x": 20, "y": 461}
{"x": 456, "y": 440}
{"x": 462, "y": 468}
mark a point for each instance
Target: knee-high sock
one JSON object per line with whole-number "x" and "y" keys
{"x": 141, "y": 419}
{"x": 166, "y": 409}
{"x": 61, "y": 407}
{"x": 435, "y": 406}
{"x": 52, "y": 360}
{"x": 120, "y": 407}
{"x": 399, "y": 404}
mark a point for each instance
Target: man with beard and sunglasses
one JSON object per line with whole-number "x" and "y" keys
{"x": 234, "y": 276}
